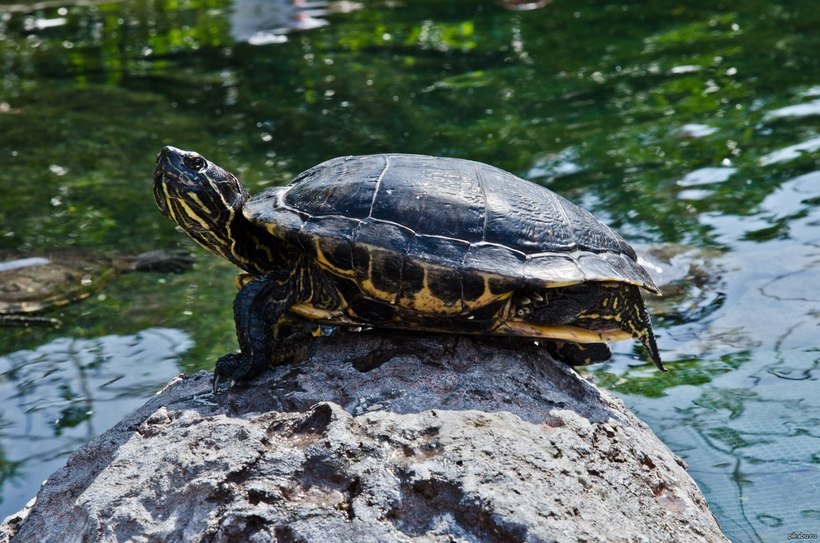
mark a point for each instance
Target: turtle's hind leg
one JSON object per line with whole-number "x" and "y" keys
{"x": 646, "y": 335}
{"x": 624, "y": 305}
{"x": 578, "y": 354}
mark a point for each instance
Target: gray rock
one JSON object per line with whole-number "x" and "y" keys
{"x": 377, "y": 438}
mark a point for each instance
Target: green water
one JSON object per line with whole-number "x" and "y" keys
{"x": 692, "y": 129}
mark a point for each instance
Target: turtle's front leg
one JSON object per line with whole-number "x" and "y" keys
{"x": 258, "y": 306}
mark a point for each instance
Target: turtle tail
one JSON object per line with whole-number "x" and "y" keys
{"x": 647, "y": 337}
{"x": 635, "y": 320}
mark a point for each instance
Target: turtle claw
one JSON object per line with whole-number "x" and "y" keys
{"x": 226, "y": 368}
{"x": 217, "y": 381}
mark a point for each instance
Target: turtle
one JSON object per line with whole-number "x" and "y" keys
{"x": 410, "y": 242}
{"x": 31, "y": 284}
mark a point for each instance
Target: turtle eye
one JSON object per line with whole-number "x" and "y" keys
{"x": 195, "y": 162}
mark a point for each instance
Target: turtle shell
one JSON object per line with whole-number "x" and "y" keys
{"x": 434, "y": 233}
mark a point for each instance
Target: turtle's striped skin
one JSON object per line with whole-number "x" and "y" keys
{"x": 409, "y": 241}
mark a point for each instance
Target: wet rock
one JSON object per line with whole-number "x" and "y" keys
{"x": 377, "y": 438}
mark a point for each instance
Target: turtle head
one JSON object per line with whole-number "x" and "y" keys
{"x": 200, "y": 197}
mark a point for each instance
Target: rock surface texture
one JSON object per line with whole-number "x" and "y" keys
{"x": 377, "y": 438}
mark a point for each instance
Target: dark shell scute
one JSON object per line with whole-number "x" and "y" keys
{"x": 553, "y": 268}
{"x": 412, "y": 279}
{"x": 379, "y": 249}
{"x": 361, "y": 262}
{"x": 377, "y": 233}
{"x": 265, "y": 210}
{"x": 445, "y": 284}
{"x": 533, "y": 214}
{"x": 431, "y": 196}
{"x": 472, "y": 286}
{"x": 334, "y": 236}
{"x": 436, "y": 250}
{"x": 342, "y": 186}
{"x": 493, "y": 260}
{"x": 615, "y": 266}
{"x": 587, "y": 232}
{"x": 386, "y": 271}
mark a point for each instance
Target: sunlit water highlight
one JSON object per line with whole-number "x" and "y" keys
{"x": 61, "y": 394}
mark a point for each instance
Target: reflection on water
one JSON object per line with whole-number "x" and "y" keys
{"x": 262, "y": 22}
{"x": 62, "y": 394}
{"x": 791, "y": 152}
{"x": 751, "y": 434}
{"x": 769, "y": 283}
{"x": 751, "y": 439}
{"x": 706, "y": 176}
{"x": 775, "y": 272}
